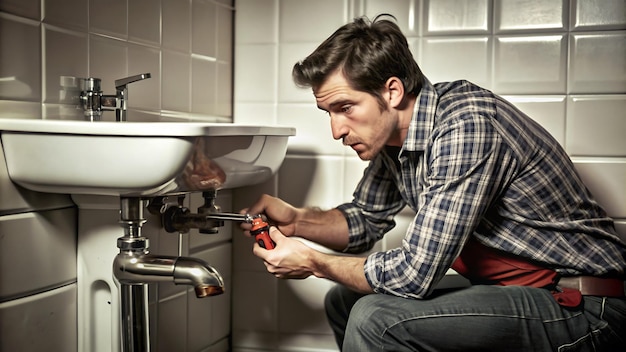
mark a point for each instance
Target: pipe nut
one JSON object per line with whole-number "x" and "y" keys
{"x": 132, "y": 243}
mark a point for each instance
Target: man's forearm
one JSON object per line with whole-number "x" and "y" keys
{"x": 345, "y": 270}
{"x": 326, "y": 227}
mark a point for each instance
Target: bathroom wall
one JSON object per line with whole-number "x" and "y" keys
{"x": 45, "y": 45}
{"x": 560, "y": 61}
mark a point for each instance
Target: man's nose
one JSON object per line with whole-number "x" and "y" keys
{"x": 338, "y": 127}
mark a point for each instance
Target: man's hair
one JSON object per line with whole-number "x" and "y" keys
{"x": 368, "y": 53}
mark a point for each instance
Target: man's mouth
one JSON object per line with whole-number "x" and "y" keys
{"x": 357, "y": 147}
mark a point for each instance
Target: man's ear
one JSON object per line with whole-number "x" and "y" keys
{"x": 394, "y": 92}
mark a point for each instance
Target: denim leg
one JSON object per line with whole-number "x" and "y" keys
{"x": 484, "y": 318}
{"x": 338, "y": 303}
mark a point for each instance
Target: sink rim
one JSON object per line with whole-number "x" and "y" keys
{"x": 141, "y": 129}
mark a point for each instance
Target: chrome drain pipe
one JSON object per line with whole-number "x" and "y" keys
{"x": 134, "y": 268}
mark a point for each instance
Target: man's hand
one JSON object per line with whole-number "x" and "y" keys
{"x": 278, "y": 212}
{"x": 290, "y": 259}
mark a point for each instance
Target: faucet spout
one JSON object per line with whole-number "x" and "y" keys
{"x": 123, "y": 82}
{"x": 131, "y": 268}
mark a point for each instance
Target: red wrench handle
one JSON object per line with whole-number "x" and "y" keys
{"x": 261, "y": 232}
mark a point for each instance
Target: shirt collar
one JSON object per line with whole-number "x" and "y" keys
{"x": 423, "y": 121}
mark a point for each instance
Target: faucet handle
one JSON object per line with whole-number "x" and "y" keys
{"x": 123, "y": 82}
{"x": 122, "y": 92}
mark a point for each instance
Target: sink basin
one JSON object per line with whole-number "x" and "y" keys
{"x": 139, "y": 159}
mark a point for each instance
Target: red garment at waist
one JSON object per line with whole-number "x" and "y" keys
{"x": 487, "y": 266}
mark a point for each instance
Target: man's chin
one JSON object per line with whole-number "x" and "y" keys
{"x": 365, "y": 155}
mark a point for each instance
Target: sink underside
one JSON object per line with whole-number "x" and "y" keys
{"x": 139, "y": 158}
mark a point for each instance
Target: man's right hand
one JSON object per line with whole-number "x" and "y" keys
{"x": 279, "y": 213}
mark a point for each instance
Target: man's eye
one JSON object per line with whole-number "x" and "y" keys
{"x": 346, "y": 108}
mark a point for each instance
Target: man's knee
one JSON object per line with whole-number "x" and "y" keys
{"x": 367, "y": 316}
{"x": 366, "y": 325}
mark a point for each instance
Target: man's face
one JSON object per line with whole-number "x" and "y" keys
{"x": 355, "y": 116}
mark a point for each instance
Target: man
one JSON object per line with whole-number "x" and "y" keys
{"x": 495, "y": 196}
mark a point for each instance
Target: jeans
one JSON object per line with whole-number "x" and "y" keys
{"x": 476, "y": 318}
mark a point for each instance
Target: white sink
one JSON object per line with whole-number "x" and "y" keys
{"x": 139, "y": 158}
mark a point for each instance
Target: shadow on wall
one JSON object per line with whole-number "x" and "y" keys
{"x": 295, "y": 179}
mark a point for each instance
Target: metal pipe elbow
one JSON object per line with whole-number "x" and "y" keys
{"x": 195, "y": 272}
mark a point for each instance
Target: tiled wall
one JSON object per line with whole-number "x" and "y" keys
{"x": 560, "y": 61}
{"x": 187, "y": 47}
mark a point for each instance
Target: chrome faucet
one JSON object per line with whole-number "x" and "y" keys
{"x": 134, "y": 268}
{"x": 94, "y": 102}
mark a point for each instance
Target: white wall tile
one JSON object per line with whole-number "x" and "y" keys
{"x": 144, "y": 22}
{"x": 19, "y": 110}
{"x": 256, "y": 22}
{"x": 71, "y": 14}
{"x": 407, "y": 13}
{"x": 450, "y": 59}
{"x": 548, "y": 111}
{"x": 43, "y": 322}
{"x": 170, "y": 336}
{"x": 108, "y": 61}
{"x": 530, "y": 65}
{"x": 255, "y": 73}
{"x": 530, "y": 15}
{"x": 203, "y": 85}
{"x": 225, "y": 36}
{"x": 175, "y": 68}
{"x": 60, "y": 111}
{"x": 415, "y": 46}
{"x": 606, "y": 179}
{"x": 109, "y": 18}
{"x": 204, "y": 28}
{"x": 289, "y": 55}
{"x": 25, "y": 8}
{"x": 595, "y": 125}
{"x": 256, "y": 300}
{"x": 66, "y": 55}
{"x": 20, "y": 71}
{"x": 594, "y": 67}
{"x": 310, "y": 21}
{"x": 312, "y": 181}
{"x": 208, "y": 319}
{"x": 596, "y": 14}
{"x": 253, "y": 113}
{"x": 313, "y": 134}
{"x": 176, "y": 25}
{"x": 42, "y": 246}
{"x": 224, "y": 93}
{"x": 457, "y": 16}
{"x": 145, "y": 94}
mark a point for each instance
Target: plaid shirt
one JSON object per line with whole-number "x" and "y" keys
{"x": 474, "y": 165}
